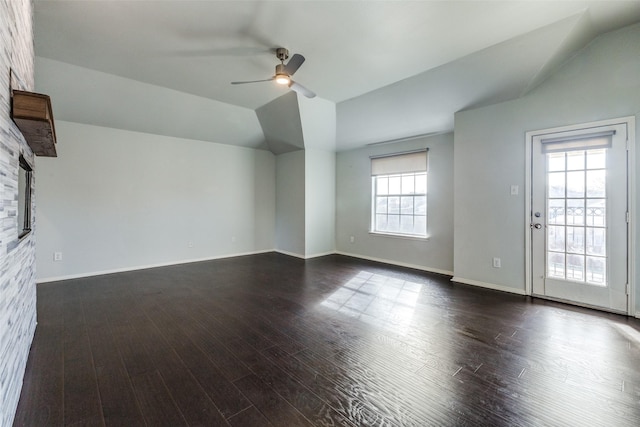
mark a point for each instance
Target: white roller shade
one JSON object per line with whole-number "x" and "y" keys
{"x": 415, "y": 161}
{"x": 579, "y": 142}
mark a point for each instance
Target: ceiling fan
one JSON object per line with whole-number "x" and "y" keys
{"x": 284, "y": 72}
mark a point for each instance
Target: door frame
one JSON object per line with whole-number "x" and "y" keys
{"x": 630, "y": 122}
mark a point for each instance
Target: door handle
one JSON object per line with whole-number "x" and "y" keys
{"x": 537, "y": 226}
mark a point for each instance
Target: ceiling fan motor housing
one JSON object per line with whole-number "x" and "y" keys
{"x": 282, "y": 53}
{"x": 281, "y": 70}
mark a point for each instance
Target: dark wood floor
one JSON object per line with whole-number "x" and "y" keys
{"x": 270, "y": 340}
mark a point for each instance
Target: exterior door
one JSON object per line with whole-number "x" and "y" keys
{"x": 579, "y": 216}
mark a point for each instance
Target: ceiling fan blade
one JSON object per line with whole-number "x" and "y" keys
{"x": 294, "y": 63}
{"x": 253, "y": 81}
{"x": 297, "y": 87}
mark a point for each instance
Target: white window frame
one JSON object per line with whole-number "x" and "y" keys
{"x": 398, "y": 165}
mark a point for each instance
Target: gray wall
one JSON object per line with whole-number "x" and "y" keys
{"x": 280, "y": 121}
{"x": 305, "y": 203}
{"x": 353, "y": 207}
{"x": 320, "y": 202}
{"x": 17, "y": 258}
{"x": 115, "y": 200}
{"x": 318, "y": 118}
{"x": 290, "y": 203}
{"x": 601, "y": 82}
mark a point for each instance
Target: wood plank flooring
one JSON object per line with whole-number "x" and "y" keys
{"x": 271, "y": 340}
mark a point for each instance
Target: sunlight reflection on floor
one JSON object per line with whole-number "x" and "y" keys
{"x": 377, "y": 299}
{"x": 630, "y": 333}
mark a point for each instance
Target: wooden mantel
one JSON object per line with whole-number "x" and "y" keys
{"x": 34, "y": 117}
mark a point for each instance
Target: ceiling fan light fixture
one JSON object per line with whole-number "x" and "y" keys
{"x": 282, "y": 79}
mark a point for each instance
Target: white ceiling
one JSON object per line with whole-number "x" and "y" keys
{"x": 366, "y": 56}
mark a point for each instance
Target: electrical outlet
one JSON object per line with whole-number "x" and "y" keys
{"x": 233, "y": 239}
{"x": 190, "y": 244}
{"x": 57, "y": 256}
{"x": 497, "y": 263}
{"x": 352, "y": 239}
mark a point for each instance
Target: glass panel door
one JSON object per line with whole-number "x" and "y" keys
{"x": 578, "y": 218}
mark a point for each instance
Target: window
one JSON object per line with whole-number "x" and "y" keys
{"x": 577, "y": 207}
{"x": 24, "y": 198}
{"x": 399, "y": 194}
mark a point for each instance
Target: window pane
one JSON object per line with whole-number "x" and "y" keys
{"x": 575, "y": 240}
{"x": 381, "y": 204}
{"x": 575, "y": 184}
{"x": 406, "y": 205}
{"x": 408, "y": 186}
{"x": 576, "y": 216}
{"x": 394, "y": 184}
{"x": 596, "y": 159}
{"x": 555, "y": 162}
{"x": 421, "y": 183}
{"x": 556, "y": 184}
{"x": 394, "y": 205}
{"x": 382, "y": 185}
{"x": 555, "y": 265}
{"x": 381, "y": 223}
{"x": 596, "y": 212}
{"x": 575, "y": 267}
{"x": 596, "y": 270}
{"x": 555, "y": 238}
{"x": 596, "y": 184}
{"x": 575, "y": 211}
{"x": 421, "y": 225}
{"x": 575, "y": 160}
{"x": 420, "y": 205}
{"x": 596, "y": 241}
{"x": 556, "y": 212}
{"x": 393, "y": 223}
{"x": 406, "y": 224}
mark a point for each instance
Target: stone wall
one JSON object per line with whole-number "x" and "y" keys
{"x": 17, "y": 257}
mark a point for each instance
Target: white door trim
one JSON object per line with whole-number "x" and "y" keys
{"x": 630, "y": 122}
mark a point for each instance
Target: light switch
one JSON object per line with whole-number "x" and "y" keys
{"x": 514, "y": 190}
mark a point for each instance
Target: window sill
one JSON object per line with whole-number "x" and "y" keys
{"x": 400, "y": 236}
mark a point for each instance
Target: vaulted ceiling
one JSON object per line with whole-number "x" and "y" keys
{"x": 392, "y": 68}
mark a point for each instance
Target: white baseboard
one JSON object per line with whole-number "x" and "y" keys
{"x": 145, "y": 267}
{"x": 293, "y": 254}
{"x": 488, "y": 285}
{"x": 297, "y": 255}
{"x": 400, "y": 264}
{"x": 320, "y": 254}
